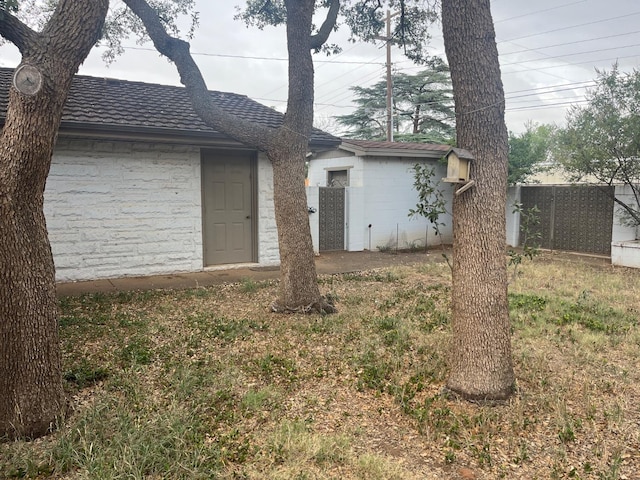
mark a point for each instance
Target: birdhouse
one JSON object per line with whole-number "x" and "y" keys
{"x": 458, "y": 165}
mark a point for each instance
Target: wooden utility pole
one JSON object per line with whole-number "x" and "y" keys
{"x": 387, "y": 39}
{"x": 389, "y": 82}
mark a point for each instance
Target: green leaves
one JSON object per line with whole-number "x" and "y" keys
{"x": 122, "y": 24}
{"x": 261, "y": 13}
{"x": 601, "y": 142}
{"x": 423, "y": 107}
{"x": 528, "y": 151}
{"x": 431, "y": 202}
{"x": 366, "y": 19}
{"x": 411, "y": 21}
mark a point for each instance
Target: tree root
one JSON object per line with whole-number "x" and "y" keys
{"x": 323, "y": 306}
{"x": 500, "y": 398}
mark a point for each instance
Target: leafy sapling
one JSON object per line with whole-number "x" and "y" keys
{"x": 431, "y": 201}
{"x": 531, "y": 235}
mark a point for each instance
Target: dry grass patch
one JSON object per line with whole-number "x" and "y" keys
{"x": 206, "y": 383}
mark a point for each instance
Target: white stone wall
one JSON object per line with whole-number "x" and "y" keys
{"x": 622, "y": 232}
{"x": 119, "y": 209}
{"x": 268, "y": 253}
{"x": 380, "y": 194}
{"x": 513, "y": 218}
{"x": 625, "y": 246}
{"x": 355, "y": 218}
{"x": 388, "y": 196}
{"x": 115, "y": 209}
{"x": 319, "y": 167}
{"x": 313, "y": 201}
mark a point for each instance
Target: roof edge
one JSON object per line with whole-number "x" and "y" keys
{"x": 364, "y": 151}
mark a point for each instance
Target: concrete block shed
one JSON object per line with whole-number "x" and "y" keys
{"x": 362, "y": 193}
{"x": 140, "y": 186}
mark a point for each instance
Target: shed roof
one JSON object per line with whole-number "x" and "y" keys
{"x": 370, "y": 148}
{"x": 119, "y": 106}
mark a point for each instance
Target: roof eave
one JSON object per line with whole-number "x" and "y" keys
{"x": 165, "y": 135}
{"x": 391, "y": 152}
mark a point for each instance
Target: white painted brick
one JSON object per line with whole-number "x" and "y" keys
{"x": 268, "y": 253}
{"x": 122, "y": 209}
{"x": 384, "y": 202}
{"x": 107, "y": 219}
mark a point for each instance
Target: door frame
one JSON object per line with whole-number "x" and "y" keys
{"x": 218, "y": 154}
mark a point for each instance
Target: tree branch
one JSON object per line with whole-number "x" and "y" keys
{"x": 73, "y": 30}
{"x": 17, "y": 32}
{"x": 177, "y": 50}
{"x": 322, "y": 36}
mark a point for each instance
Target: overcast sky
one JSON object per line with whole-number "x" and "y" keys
{"x": 549, "y": 50}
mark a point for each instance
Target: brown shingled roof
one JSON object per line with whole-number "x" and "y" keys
{"x": 125, "y": 105}
{"x": 401, "y": 149}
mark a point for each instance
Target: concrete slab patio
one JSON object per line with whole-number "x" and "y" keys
{"x": 326, "y": 263}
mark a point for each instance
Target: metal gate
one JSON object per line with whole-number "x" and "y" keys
{"x": 331, "y": 211}
{"x": 576, "y": 218}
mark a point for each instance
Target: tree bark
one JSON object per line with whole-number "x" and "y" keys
{"x": 298, "y": 279}
{"x": 286, "y": 146}
{"x": 481, "y": 360}
{"x": 32, "y": 399}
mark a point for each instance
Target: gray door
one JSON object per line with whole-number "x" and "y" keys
{"x": 575, "y": 218}
{"x": 331, "y": 211}
{"x": 227, "y": 209}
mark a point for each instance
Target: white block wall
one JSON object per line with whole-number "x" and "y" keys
{"x": 318, "y": 168}
{"x": 625, "y": 247}
{"x": 622, "y": 232}
{"x": 513, "y": 218}
{"x": 389, "y": 194}
{"x": 118, "y": 209}
{"x": 268, "y": 252}
{"x": 313, "y": 200}
{"x": 380, "y": 194}
{"x": 355, "y": 219}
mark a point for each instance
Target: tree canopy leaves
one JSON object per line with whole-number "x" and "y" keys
{"x": 601, "y": 141}
{"x": 366, "y": 20}
{"x": 422, "y": 103}
{"x": 528, "y": 151}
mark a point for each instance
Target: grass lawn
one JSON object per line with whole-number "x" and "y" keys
{"x": 206, "y": 383}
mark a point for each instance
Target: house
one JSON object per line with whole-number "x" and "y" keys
{"x": 363, "y": 191}
{"x": 140, "y": 186}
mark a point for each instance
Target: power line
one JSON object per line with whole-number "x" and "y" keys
{"x": 334, "y": 97}
{"x": 250, "y": 57}
{"x": 553, "y": 57}
{"x": 573, "y": 26}
{"x": 539, "y": 11}
{"x": 565, "y": 65}
{"x": 564, "y": 44}
{"x": 545, "y": 106}
{"x": 586, "y": 83}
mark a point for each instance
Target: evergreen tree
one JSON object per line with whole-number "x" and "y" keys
{"x": 422, "y": 104}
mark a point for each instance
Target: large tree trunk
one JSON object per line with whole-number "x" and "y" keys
{"x": 298, "y": 289}
{"x": 30, "y": 379}
{"x": 32, "y": 399}
{"x": 298, "y": 280}
{"x": 481, "y": 361}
